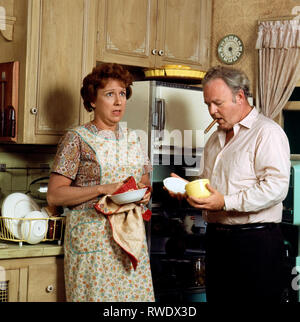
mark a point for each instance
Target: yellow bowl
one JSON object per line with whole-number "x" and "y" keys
{"x": 154, "y": 72}
{"x": 197, "y": 188}
{"x": 175, "y": 67}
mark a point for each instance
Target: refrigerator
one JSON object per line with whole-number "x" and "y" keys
{"x": 170, "y": 119}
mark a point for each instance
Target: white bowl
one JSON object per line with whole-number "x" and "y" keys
{"x": 129, "y": 196}
{"x": 34, "y": 227}
{"x": 175, "y": 185}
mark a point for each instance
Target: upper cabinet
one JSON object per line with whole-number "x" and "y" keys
{"x": 183, "y": 34}
{"x": 55, "y": 47}
{"x": 57, "y": 42}
{"x": 126, "y": 31}
{"x": 60, "y": 52}
{"x": 152, "y": 33}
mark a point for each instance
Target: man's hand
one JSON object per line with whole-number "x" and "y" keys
{"x": 178, "y": 196}
{"x": 214, "y": 202}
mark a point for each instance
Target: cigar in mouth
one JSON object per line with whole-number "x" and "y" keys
{"x": 210, "y": 126}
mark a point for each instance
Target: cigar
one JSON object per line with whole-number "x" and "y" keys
{"x": 210, "y": 126}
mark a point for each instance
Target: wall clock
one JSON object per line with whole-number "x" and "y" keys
{"x": 230, "y": 49}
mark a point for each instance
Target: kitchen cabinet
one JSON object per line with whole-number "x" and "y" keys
{"x": 39, "y": 279}
{"x": 8, "y": 20}
{"x": 46, "y": 281}
{"x": 54, "y": 42}
{"x": 152, "y": 33}
{"x": 10, "y": 289}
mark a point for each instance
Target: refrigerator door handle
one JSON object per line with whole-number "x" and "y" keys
{"x": 159, "y": 118}
{"x": 155, "y": 115}
{"x": 162, "y": 115}
{"x": 155, "y": 120}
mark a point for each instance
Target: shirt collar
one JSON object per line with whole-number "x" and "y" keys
{"x": 245, "y": 122}
{"x": 249, "y": 119}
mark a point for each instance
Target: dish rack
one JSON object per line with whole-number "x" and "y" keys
{"x": 10, "y": 229}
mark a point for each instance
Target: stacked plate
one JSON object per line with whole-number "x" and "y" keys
{"x": 24, "y": 219}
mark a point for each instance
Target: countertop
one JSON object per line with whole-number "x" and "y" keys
{"x": 10, "y": 250}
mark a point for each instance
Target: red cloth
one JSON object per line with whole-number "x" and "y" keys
{"x": 128, "y": 184}
{"x": 127, "y": 227}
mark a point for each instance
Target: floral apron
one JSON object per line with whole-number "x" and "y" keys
{"x": 96, "y": 268}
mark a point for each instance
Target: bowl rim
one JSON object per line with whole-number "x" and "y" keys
{"x": 178, "y": 180}
{"x": 198, "y": 180}
{"x": 126, "y": 192}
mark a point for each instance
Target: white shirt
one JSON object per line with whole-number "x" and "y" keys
{"x": 252, "y": 171}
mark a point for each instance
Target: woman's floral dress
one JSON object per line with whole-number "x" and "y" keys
{"x": 96, "y": 268}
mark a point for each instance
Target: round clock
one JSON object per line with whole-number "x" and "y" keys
{"x": 230, "y": 49}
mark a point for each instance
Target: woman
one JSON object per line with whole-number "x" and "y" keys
{"x": 92, "y": 161}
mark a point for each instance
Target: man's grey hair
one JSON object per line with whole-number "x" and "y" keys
{"x": 235, "y": 79}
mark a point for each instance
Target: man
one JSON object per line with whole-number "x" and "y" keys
{"x": 248, "y": 163}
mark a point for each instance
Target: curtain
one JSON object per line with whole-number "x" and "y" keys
{"x": 278, "y": 45}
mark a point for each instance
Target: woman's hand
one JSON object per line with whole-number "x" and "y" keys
{"x": 147, "y": 195}
{"x": 178, "y": 196}
{"x": 110, "y": 188}
{"x": 61, "y": 193}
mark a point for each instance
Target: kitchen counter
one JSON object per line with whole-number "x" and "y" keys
{"x": 13, "y": 250}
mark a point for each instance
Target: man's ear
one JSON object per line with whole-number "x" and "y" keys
{"x": 240, "y": 96}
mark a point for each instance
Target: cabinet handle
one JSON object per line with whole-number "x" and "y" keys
{"x": 161, "y": 52}
{"x": 49, "y": 288}
{"x": 154, "y": 51}
{"x": 33, "y": 110}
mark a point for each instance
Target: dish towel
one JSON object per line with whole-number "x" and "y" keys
{"x": 127, "y": 225}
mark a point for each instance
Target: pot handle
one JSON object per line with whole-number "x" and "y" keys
{"x": 38, "y": 179}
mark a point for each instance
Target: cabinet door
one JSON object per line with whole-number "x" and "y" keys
{"x": 46, "y": 282}
{"x": 60, "y": 52}
{"x": 127, "y": 31}
{"x": 9, "y": 285}
{"x": 183, "y": 34}
{"x": 6, "y": 47}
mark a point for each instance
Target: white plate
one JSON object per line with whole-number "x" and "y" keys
{"x": 129, "y": 196}
{"x": 35, "y": 230}
{"x": 175, "y": 184}
{"x": 17, "y": 205}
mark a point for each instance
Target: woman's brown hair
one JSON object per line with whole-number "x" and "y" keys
{"x": 99, "y": 77}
